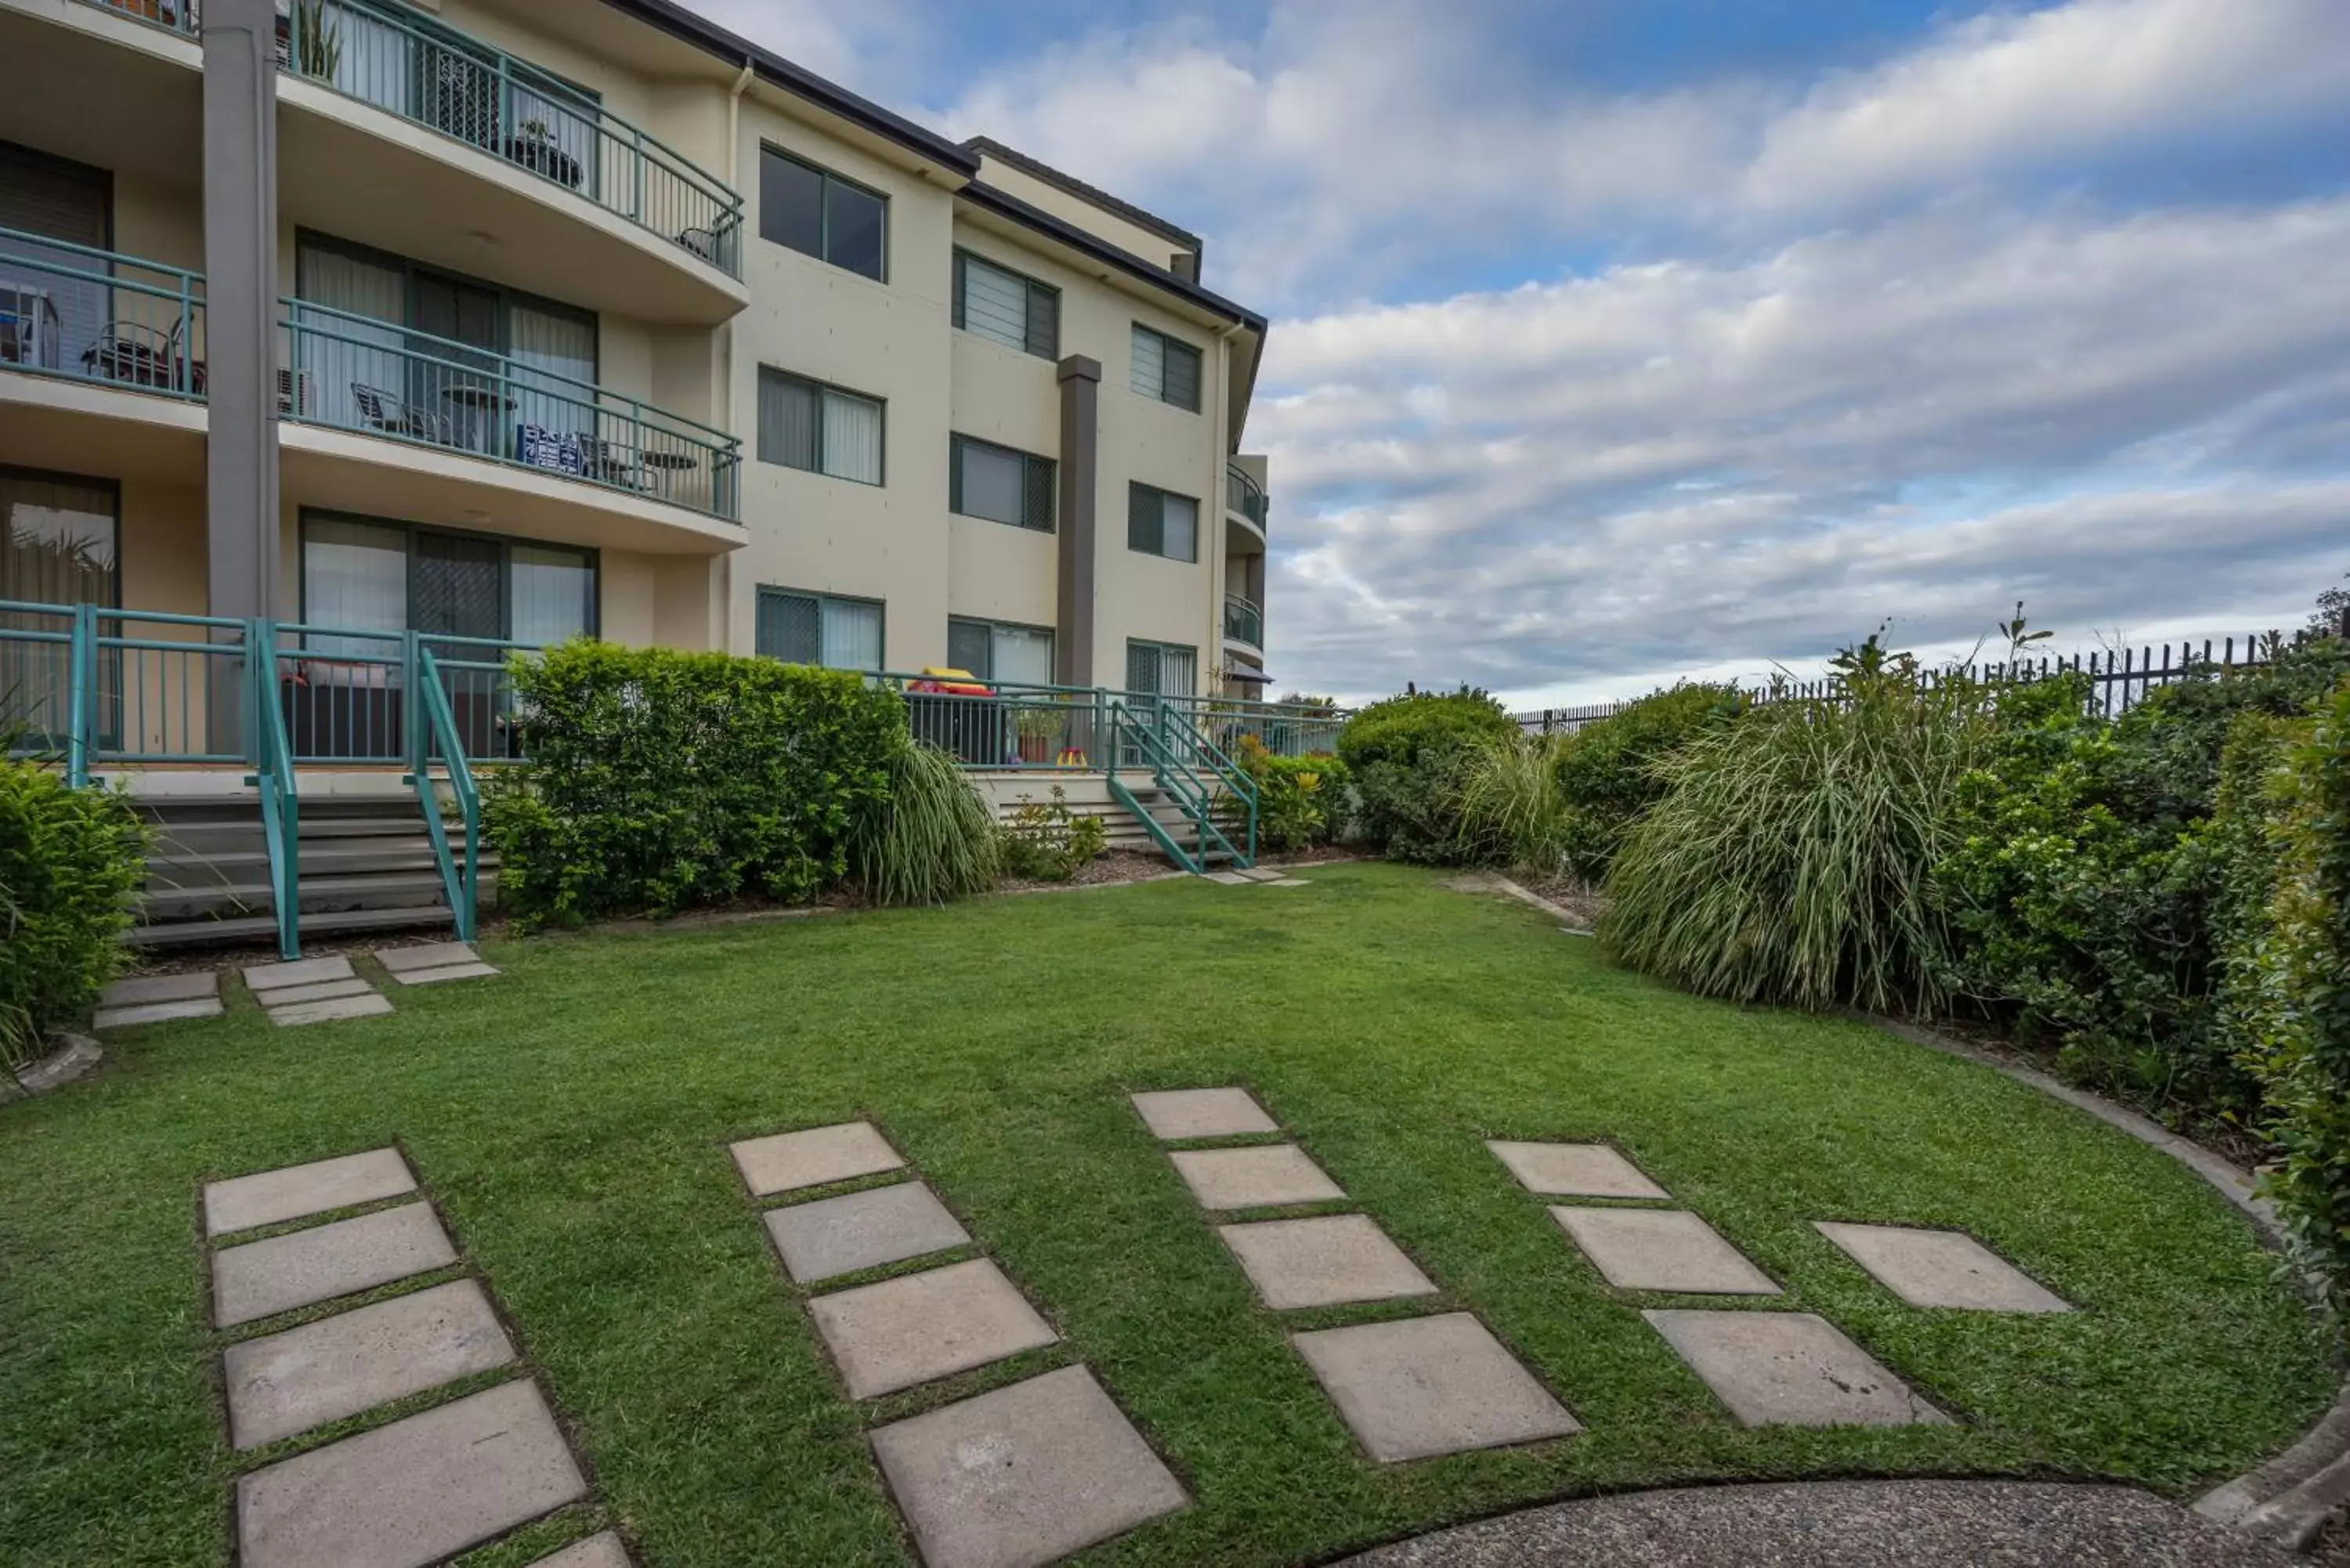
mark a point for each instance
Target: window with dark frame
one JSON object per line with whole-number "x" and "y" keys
{"x": 1165, "y": 368}
{"x": 822, "y": 429}
{"x": 1003, "y": 651}
{"x": 1161, "y": 523}
{"x": 1001, "y": 484}
{"x": 818, "y": 213}
{"x": 827, "y": 629}
{"x": 1006, "y": 307}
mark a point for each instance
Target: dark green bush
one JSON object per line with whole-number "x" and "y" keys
{"x": 1410, "y": 758}
{"x": 1302, "y": 803}
{"x": 1604, "y": 776}
{"x": 659, "y": 780}
{"x": 70, "y": 860}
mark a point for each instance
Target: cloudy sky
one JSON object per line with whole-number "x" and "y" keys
{"x": 1618, "y": 339}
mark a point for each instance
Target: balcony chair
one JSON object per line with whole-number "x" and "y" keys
{"x": 138, "y": 355}
{"x": 388, "y": 414}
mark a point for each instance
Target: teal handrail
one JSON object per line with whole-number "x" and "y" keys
{"x": 89, "y": 314}
{"x": 436, "y": 730}
{"x": 1126, "y": 730}
{"x": 1238, "y": 786}
{"x": 274, "y": 777}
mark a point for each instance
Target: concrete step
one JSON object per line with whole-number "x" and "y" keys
{"x": 264, "y": 927}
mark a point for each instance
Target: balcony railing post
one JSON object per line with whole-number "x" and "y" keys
{"x": 411, "y": 702}
{"x": 81, "y": 666}
{"x": 637, "y": 157}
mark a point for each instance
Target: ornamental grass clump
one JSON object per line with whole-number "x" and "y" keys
{"x": 933, "y": 840}
{"x": 1510, "y": 813}
{"x": 1790, "y": 856}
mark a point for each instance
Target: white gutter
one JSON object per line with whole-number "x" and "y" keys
{"x": 734, "y": 182}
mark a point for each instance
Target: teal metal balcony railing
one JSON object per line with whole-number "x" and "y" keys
{"x": 96, "y": 315}
{"x": 185, "y": 17}
{"x": 1243, "y": 621}
{"x": 355, "y": 373}
{"x": 1244, "y": 495}
{"x": 429, "y": 74}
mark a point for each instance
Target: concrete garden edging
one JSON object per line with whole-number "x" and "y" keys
{"x": 77, "y": 1057}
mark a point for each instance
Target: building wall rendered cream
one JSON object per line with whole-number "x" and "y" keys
{"x": 1150, "y": 245}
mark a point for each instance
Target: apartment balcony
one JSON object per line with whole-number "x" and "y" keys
{"x": 112, "y": 85}
{"x": 398, "y": 131}
{"x": 1244, "y": 506}
{"x": 389, "y": 421}
{"x": 1243, "y": 624}
{"x": 102, "y": 361}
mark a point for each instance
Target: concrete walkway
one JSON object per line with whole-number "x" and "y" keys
{"x": 1843, "y": 1524}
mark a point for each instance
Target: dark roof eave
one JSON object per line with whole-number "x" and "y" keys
{"x": 680, "y": 23}
{"x": 1006, "y": 205}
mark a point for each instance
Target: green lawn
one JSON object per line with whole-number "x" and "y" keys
{"x": 572, "y": 1120}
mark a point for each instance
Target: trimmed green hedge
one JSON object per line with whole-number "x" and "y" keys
{"x": 70, "y": 860}
{"x": 659, "y": 780}
{"x": 1409, "y": 758}
{"x": 1606, "y": 776}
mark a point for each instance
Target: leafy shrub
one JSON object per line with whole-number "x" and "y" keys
{"x": 70, "y": 860}
{"x": 1790, "y": 858}
{"x": 1302, "y": 803}
{"x": 2297, "y": 972}
{"x": 931, "y": 839}
{"x": 1604, "y": 776}
{"x": 1044, "y": 841}
{"x": 659, "y": 780}
{"x": 1409, "y": 758}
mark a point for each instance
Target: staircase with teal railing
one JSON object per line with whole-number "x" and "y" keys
{"x": 436, "y": 733}
{"x": 1178, "y": 756}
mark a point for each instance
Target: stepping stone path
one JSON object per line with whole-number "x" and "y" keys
{"x": 1259, "y": 876}
{"x": 429, "y": 963}
{"x": 408, "y": 1492}
{"x": 1022, "y": 1475}
{"x": 1780, "y": 1368}
{"x": 1408, "y": 1388}
{"x": 158, "y": 999}
{"x": 313, "y": 991}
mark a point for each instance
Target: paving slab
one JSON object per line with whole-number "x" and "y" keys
{"x": 412, "y": 1494}
{"x": 1262, "y": 874}
{"x": 864, "y": 1230}
{"x": 262, "y": 1279}
{"x": 323, "y": 991}
{"x": 1266, "y": 1175}
{"x": 1662, "y": 1250}
{"x": 1323, "y": 1261}
{"x": 1286, "y": 882}
{"x": 338, "y": 1366}
{"x": 1942, "y": 1269}
{"x": 265, "y": 977}
{"x": 1574, "y": 1169}
{"x": 140, "y": 990}
{"x": 1201, "y": 1113}
{"x": 268, "y": 1197}
{"x": 1427, "y": 1385}
{"x": 426, "y": 955}
{"x": 917, "y": 1327}
{"x": 1025, "y": 1475}
{"x": 368, "y": 1006}
{"x": 813, "y": 1157}
{"x": 1790, "y": 1369}
{"x": 1230, "y": 878}
{"x": 603, "y": 1551}
{"x": 449, "y": 971}
{"x": 155, "y": 1013}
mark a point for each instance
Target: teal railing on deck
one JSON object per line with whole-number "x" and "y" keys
{"x": 92, "y": 315}
{"x": 439, "y": 733}
{"x": 280, "y": 820}
{"x": 1181, "y": 739}
{"x": 417, "y": 66}
{"x": 180, "y": 16}
{"x": 1149, "y": 742}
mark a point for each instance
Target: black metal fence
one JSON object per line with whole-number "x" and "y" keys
{"x": 2118, "y": 679}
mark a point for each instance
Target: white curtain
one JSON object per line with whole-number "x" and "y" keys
{"x": 1022, "y": 657}
{"x": 1181, "y": 538}
{"x": 550, "y": 592}
{"x": 995, "y": 304}
{"x": 852, "y": 635}
{"x": 337, "y": 359}
{"x": 852, "y": 439}
{"x": 370, "y": 59}
{"x": 354, "y": 575}
{"x": 566, "y": 346}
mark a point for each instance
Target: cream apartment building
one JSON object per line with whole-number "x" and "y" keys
{"x": 514, "y": 319}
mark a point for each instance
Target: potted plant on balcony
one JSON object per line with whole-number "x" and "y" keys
{"x": 312, "y": 43}
{"x": 1038, "y": 728}
{"x": 533, "y": 146}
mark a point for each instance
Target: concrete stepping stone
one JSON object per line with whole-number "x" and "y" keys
{"x": 1286, "y": 882}
{"x": 264, "y": 978}
{"x": 1323, "y": 1261}
{"x": 338, "y": 1366}
{"x": 1230, "y": 878}
{"x": 453, "y": 971}
{"x": 603, "y": 1551}
{"x": 158, "y": 999}
{"x": 1662, "y": 1250}
{"x": 323, "y": 991}
{"x": 262, "y": 1279}
{"x": 1790, "y": 1369}
{"x": 1201, "y": 1113}
{"x": 1262, "y": 874}
{"x": 297, "y": 1192}
{"x": 1267, "y": 1176}
{"x": 1427, "y": 1385}
{"x": 1023, "y": 1475}
{"x": 430, "y": 964}
{"x": 1574, "y": 1169}
{"x": 919, "y": 1327}
{"x": 813, "y": 1157}
{"x": 412, "y": 1494}
{"x": 370, "y": 1005}
{"x": 1942, "y": 1269}
{"x": 864, "y": 1230}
